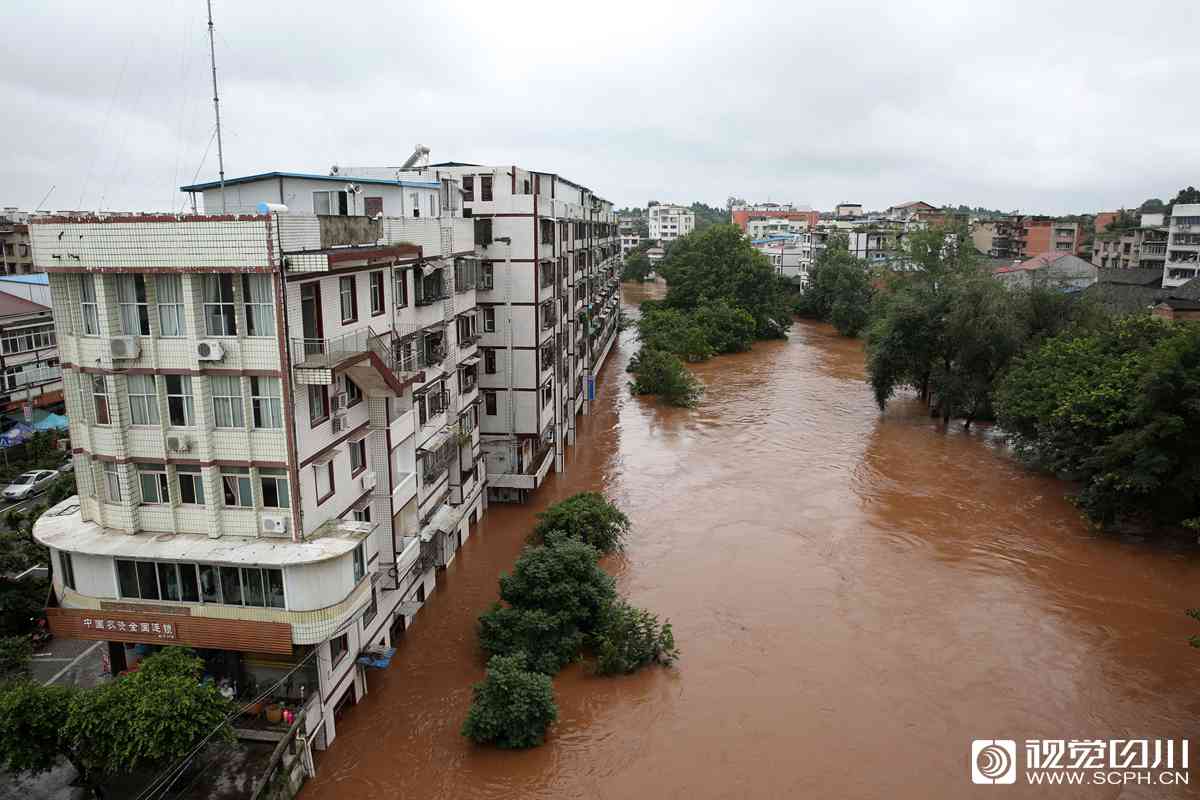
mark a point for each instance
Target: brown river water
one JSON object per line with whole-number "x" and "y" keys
{"x": 856, "y": 596}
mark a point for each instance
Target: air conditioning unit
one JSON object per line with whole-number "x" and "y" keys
{"x": 274, "y": 523}
{"x": 339, "y": 403}
{"x": 368, "y": 481}
{"x": 209, "y": 350}
{"x": 179, "y": 444}
{"x": 339, "y": 424}
{"x": 125, "y": 346}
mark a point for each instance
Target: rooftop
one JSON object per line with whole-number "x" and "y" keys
{"x": 39, "y": 278}
{"x": 339, "y": 178}
{"x": 11, "y": 306}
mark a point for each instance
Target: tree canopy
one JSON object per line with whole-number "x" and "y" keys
{"x": 838, "y": 289}
{"x": 588, "y": 517}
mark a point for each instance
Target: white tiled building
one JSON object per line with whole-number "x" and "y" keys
{"x": 274, "y": 416}
{"x": 549, "y": 303}
{"x": 1183, "y": 245}
{"x": 669, "y": 222}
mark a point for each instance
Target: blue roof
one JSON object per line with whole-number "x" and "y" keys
{"x": 200, "y": 187}
{"x": 39, "y": 278}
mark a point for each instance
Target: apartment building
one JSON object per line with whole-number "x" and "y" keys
{"x": 1143, "y": 247}
{"x": 742, "y": 215}
{"x": 549, "y": 302}
{"x": 848, "y": 210}
{"x": 274, "y": 420}
{"x": 15, "y": 255}
{"x": 631, "y": 239}
{"x": 790, "y": 254}
{"x": 669, "y": 222}
{"x": 30, "y": 374}
{"x": 1182, "y": 262}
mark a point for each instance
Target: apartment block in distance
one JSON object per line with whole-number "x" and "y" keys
{"x": 273, "y": 411}
{"x": 1143, "y": 247}
{"x": 669, "y": 222}
{"x": 549, "y": 302}
{"x": 1183, "y": 245}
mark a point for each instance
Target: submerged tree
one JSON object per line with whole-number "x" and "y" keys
{"x": 513, "y": 705}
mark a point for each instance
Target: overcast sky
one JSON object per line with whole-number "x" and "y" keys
{"x": 1044, "y": 107}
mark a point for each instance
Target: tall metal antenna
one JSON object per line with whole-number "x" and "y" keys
{"x": 212, "y": 54}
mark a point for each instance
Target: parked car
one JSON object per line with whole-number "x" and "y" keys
{"x": 67, "y": 467}
{"x": 30, "y": 483}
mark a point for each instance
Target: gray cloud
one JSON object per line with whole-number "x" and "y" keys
{"x": 1046, "y": 106}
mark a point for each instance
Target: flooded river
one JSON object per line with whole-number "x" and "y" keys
{"x": 857, "y": 596}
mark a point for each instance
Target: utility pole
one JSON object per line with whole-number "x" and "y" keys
{"x": 212, "y": 55}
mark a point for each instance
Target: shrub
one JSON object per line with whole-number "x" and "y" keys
{"x": 729, "y": 329}
{"x": 656, "y": 372}
{"x": 562, "y": 580}
{"x": 588, "y": 517}
{"x": 15, "y": 652}
{"x": 676, "y": 332}
{"x": 513, "y": 705}
{"x": 629, "y": 638}
{"x": 550, "y": 641}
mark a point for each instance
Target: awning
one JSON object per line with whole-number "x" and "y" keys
{"x": 325, "y": 457}
{"x": 435, "y": 442}
{"x": 442, "y": 522}
{"x": 470, "y": 361}
{"x": 358, "y": 436}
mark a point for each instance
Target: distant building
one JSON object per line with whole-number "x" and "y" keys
{"x": 1182, "y": 262}
{"x": 1048, "y": 235}
{"x": 760, "y": 228}
{"x": 30, "y": 372}
{"x": 790, "y": 254}
{"x": 669, "y": 222}
{"x": 16, "y": 258}
{"x": 1064, "y": 271}
{"x": 848, "y": 210}
{"x": 743, "y": 214}
{"x": 909, "y": 211}
{"x": 1142, "y": 247}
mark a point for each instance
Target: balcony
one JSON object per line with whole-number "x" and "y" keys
{"x": 363, "y": 355}
{"x": 32, "y": 377}
{"x": 530, "y": 472}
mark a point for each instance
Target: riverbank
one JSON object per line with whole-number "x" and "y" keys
{"x": 859, "y": 596}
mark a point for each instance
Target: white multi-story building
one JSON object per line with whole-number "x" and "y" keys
{"x": 760, "y": 228}
{"x": 549, "y": 303}
{"x": 669, "y": 222}
{"x": 1183, "y": 245}
{"x": 790, "y": 254}
{"x": 274, "y": 419}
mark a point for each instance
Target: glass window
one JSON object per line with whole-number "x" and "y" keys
{"x": 400, "y": 288}
{"x": 360, "y": 562}
{"x": 127, "y": 579}
{"x": 168, "y": 579}
{"x": 219, "y": 316}
{"x": 187, "y": 582}
{"x": 180, "y": 407}
{"x": 100, "y": 400}
{"x": 318, "y": 404}
{"x": 485, "y": 187}
{"x": 489, "y": 320}
{"x": 260, "y": 305}
{"x": 274, "y": 579}
{"x": 362, "y": 514}
{"x": 489, "y": 362}
{"x": 135, "y": 311}
{"x": 227, "y": 401}
{"x": 353, "y": 393}
{"x": 191, "y": 485}
{"x": 231, "y": 586}
{"x": 321, "y": 202}
{"x": 489, "y": 403}
{"x": 235, "y": 483}
{"x": 348, "y": 297}
{"x": 266, "y": 402}
{"x": 338, "y": 647}
{"x": 143, "y": 400}
{"x": 88, "y": 306}
{"x": 210, "y": 585}
{"x": 358, "y": 456}
{"x": 377, "y": 298}
{"x": 169, "y": 289}
{"x": 252, "y": 587}
{"x": 153, "y": 481}
{"x": 147, "y": 580}
{"x": 112, "y": 482}
{"x": 68, "y": 569}
{"x": 274, "y": 486}
{"x": 324, "y": 479}
{"x": 371, "y": 612}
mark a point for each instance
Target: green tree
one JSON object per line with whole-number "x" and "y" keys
{"x": 728, "y": 329}
{"x": 588, "y": 517}
{"x": 550, "y": 641}
{"x": 663, "y": 374}
{"x": 629, "y": 638}
{"x": 513, "y": 706}
{"x": 561, "y": 579}
{"x": 673, "y": 331}
{"x": 15, "y": 654}
{"x": 838, "y": 290}
{"x": 637, "y": 266}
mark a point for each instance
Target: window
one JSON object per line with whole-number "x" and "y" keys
{"x": 349, "y": 299}
{"x": 489, "y": 403}
{"x": 273, "y": 484}
{"x": 135, "y": 311}
{"x": 487, "y": 271}
{"x": 353, "y": 393}
{"x": 323, "y": 474}
{"x": 489, "y": 362}
{"x": 468, "y": 185}
{"x": 274, "y": 584}
{"x": 371, "y": 612}
{"x": 485, "y": 188}
{"x": 168, "y": 581}
{"x": 489, "y": 320}
{"x": 318, "y": 404}
{"x": 335, "y": 203}
{"x": 362, "y": 514}
{"x": 373, "y": 206}
{"x": 180, "y": 406}
{"x": 100, "y": 400}
{"x": 88, "y": 306}
{"x": 400, "y": 288}
{"x": 227, "y": 401}
{"x": 358, "y": 457}
{"x": 143, "y": 400}
{"x": 414, "y": 200}
{"x": 112, "y": 482}
{"x": 210, "y": 583}
{"x": 219, "y": 317}
{"x": 235, "y": 486}
{"x": 360, "y": 562}
{"x": 231, "y": 586}
{"x": 259, "y": 302}
{"x": 377, "y": 298}
{"x": 23, "y": 340}
{"x": 127, "y": 579}
{"x": 68, "y": 571}
{"x": 169, "y": 290}
{"x": 153, "y": 480}
{"x": 191, "y": 485}
{"x": 547, "y": 392}
{"x": 266, "y": 402}
{"x": 338, "y": 647}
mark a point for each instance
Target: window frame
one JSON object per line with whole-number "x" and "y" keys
{"x": 278, "y": 478}
{"x": 67, "y": 567}
{"x": 360, "y": 562}
{"x": 174, "y": 310}
{"x": 225, "y": 308}
{"x": 313, "y": 422}
{"x": 348, "y": 290}
{"x": 271, "y": 403}
{"x": 490, "y": 403}
{"x": 195, "y": 480}
{"x": 147, "y": 403}
{"x": 242, "y": 487}
{"x": 139, "y": 305}
{"x": 358, "y": 449}
{"x": 258, "y": 314}
{"x": 378, "y": 293}
{"x": 157, "y": 473}
{"x": 89, "y": 308}
{"x": 400, "y": 288}
{"x": 186, "y": 399}
{"x": 329, "y": 473}
{"x": 489, "y": 319}
{"x": 234, "y": 405}
{"x": 101, "y": 400}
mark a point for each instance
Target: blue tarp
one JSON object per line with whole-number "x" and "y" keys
{"x": 378, "y": 659}
{"x": 16, "y": 435}
{"x": 51, "y": 422}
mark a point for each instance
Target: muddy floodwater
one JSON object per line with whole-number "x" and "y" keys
{"x": 856, "y": 596}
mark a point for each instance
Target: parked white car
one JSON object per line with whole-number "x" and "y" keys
{"x": 30, "y": 483}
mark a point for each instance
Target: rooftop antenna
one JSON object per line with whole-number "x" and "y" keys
{"x": 212, "y": 54}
